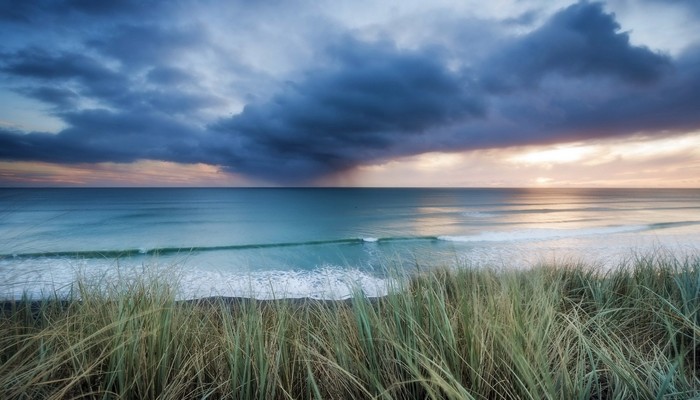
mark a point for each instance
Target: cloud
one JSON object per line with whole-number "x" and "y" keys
{"x": 103, "y": 8}
{"x": 164, "y": 75}
{"x": 359, "y": 108}
{"x": 155, "y": 43}
{"x": 19, "y": 12}
{"x": 130, "y": 92}
{"x": 32, "y": 11}
{"x": 92, "y": 79}
{"x": 59, "y": 97}
{"x": 99, "y": 135}
{"x": 580, "y": 41}
{"x": 42, "y": 64}
{"x": 670, "y": 107}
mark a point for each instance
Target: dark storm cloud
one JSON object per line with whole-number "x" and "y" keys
{"x": 561, "y": 111}
{"x": 41, "y": 64}
{"x": 92, "y": 79}
{"x": 108, "y": 8}
{"x": 372, "y": 97}
{"x": 378, "y": 102}
{"x": 578, "y": 42}
{"x": 31, "y": 11}
{"x": 17, "y": 11}
{"x": 576, "y": 76}
{"x": 671, "y": 106}
{"x": 119, "y": 136}
{"x": 59, "y": 97}
{"x": 102, "y": 135}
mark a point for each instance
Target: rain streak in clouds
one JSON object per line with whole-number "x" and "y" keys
{"x": 131, "y": 81}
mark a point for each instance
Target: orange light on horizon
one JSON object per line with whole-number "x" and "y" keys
{"x": 141, "y": 173}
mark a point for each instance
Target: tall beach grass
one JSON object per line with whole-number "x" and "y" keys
{"x": 563, "y": 331}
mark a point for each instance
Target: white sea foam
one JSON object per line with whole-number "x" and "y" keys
{"x": 57, "y": 277}
{"x": 370, "y": 239}
{"x": 542, "y": 234}
{"x": 330, "y": 282}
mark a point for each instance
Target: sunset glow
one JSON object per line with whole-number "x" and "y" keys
{"x": 557, "y": 155}
{"x": 626, "y": 163}
{"x": 142, "y": 173}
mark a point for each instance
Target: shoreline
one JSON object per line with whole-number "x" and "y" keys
{"x": 560, "y": 331}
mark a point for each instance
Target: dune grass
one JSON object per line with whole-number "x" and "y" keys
{"x": 552, "y": 332}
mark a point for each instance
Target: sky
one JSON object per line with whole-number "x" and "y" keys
{"x": 464, "y": 93}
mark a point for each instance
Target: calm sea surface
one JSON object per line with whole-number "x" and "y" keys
{"x": 323, "y": 242}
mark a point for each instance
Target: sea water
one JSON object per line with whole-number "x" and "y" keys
{"x": 323, "y": 243}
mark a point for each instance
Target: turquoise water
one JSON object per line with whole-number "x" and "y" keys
{"x": 323, "y": 242}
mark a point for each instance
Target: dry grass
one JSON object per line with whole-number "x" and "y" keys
{"x": 561, "y": 331}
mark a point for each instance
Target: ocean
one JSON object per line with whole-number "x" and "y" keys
{"x": 322, "y": 242}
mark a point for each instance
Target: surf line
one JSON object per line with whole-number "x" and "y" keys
{"x": 110, "y": 254}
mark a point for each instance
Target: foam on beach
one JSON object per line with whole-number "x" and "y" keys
{"x": 329, "y": 282}
{"x": 38, "y": 278}
{"x": 541, "y": 234}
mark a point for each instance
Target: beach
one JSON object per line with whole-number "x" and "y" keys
{"x": 323, "y": 243}
{"x": 349, "y": 293}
